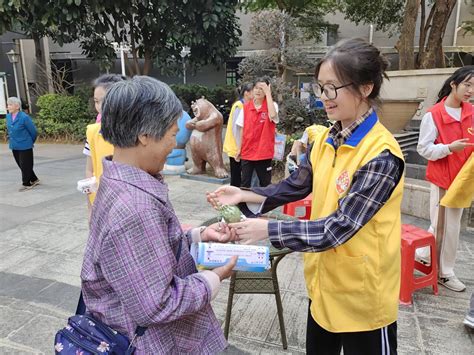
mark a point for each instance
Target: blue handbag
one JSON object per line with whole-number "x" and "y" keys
{"x": 85, "y": 335}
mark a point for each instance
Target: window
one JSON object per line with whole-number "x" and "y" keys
{"x": 231, "y": 71}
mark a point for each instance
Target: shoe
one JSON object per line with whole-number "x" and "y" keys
{"x": 25, "y": 188}
{"x": 452, "y": 283}
{"x": 469, "y": 321}
{"x": 36, "y": 182}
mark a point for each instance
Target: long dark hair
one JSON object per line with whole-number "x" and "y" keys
{"x": 356, "y": 60}
{"x": 460, "y": 75}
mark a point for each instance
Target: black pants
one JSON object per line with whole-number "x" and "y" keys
{"x": 24, "y": 160}
{"x": 263, "y": 168}
{"x": 235, "y": 172}
{"x": 374, "y": 342}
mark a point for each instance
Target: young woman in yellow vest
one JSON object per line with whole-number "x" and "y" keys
{"x": 96, "y": 148}
{"x": 233, "y": 134}
{"x": 447, "y": 141}
{"x": 351, "y": 244}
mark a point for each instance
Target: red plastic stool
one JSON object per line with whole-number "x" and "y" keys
{"x": 412, "y": 239}
{"x": 290, "y": 208}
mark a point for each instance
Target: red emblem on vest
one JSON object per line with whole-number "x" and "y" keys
{"x": 470, "y": 130}
{"x": 342, "y": 182}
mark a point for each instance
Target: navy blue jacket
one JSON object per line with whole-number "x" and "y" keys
{"x": 22, "y": 132}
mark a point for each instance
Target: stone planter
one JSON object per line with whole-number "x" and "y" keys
{"x": 395, "y": 114}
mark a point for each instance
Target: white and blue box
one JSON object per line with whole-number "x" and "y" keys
{"x": 254, "y": 258}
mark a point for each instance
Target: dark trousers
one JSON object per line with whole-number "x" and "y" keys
{"x": 374, "y": 342}
{"x": 235, "y": 172}
{"x": 263, "y": 168}
{"x": 24, "y": 160}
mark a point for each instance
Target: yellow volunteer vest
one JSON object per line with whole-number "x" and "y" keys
{"x": 355, "y": 287}
{"x": 313, "y": 131}
{"x": 461, "y": 192}
{"x": 230, "y": 145}
{"x": 99, "y": 149}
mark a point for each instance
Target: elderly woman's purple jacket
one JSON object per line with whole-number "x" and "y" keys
{"x": 130, "y": 274}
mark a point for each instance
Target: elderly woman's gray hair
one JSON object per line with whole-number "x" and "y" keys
{"x": 107, "y": 80}
{"x": 141, "y": 105}
{"x": 14, "y": 101}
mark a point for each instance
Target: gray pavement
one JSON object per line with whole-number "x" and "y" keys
{"x": 42, "y": 236}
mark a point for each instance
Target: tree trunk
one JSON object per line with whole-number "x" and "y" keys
{"x": 148, "y": 65}
{"x": 405, "y": 45}
{"x": 433, "y": 55}
{"x": 42, "y": 72}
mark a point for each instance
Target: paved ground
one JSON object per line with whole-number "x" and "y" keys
{"x": 43, "y": 233}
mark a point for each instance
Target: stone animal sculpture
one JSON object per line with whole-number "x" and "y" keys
{"x": 206, "y": 139}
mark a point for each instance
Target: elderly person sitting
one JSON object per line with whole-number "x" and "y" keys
{"x": 132, "y": 274}
{"x": 22, "y": 135}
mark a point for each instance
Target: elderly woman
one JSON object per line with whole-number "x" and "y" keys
{"x": 22, "y": 135}
{"x": 133, "y": 274}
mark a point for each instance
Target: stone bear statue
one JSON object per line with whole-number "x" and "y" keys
{"x": 206, "y": 138}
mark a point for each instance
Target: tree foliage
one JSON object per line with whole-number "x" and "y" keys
{"x": 309, "y": 14}
{"x": 281, "y": 32}
{"x": 156, "y": 30}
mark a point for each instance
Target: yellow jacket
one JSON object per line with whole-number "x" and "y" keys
{"x": 313, "y": 131}
{"x": 461, "y": 192}
{"x": 355, "y": 286}
{"x": 230, "y": 144}
{"x": 99, "y": 149}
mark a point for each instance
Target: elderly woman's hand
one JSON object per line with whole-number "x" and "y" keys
{"x": 251, "y": 230}
{"x": 218, "y": 232}
{"x": 225, "y": 195}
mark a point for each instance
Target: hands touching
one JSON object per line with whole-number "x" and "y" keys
{"x": 250, "y": 231}
{"x": 219, "y": 233}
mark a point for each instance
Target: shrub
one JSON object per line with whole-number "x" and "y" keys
{"x": 3, "y": 129}
{"x": 62, "y": 117}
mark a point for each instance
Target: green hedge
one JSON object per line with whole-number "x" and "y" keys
{"x": 62, "y": 117}
{"x": 222, "y": 96}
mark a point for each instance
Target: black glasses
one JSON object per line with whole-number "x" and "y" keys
{"x": 330, "y": 90}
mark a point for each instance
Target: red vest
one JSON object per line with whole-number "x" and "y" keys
{"x": 258, "y": 138}
{"x": 442, "y": 172}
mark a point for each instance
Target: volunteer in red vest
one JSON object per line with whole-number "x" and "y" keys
{"x": 233, "y": 134}
{"x": 351, "y": 244}
{"x": 258, "y": 120}
{"x": 447, "y": 141}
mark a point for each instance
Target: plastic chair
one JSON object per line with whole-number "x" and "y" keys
{"x": 290, "y": 208}
{"x": 413, "y": 238}
{"x": 259, "y": 282}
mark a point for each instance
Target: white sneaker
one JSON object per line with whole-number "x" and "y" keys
{"x": 469, "y": 321}
{"x": 452, "y": 283}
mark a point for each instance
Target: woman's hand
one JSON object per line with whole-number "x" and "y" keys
{"x": 251, "y": 230}
{"x": 459, "y": 145}
{"x": 226, "y": 271}
{"x": 219, "y": 233}
{"x": 225, "y": 195}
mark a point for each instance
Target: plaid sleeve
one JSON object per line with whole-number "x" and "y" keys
{"x": 139, "y": 264}
{"x": 372, "y": 186}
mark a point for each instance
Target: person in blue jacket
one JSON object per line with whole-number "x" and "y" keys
{"x": 22, "y": 135}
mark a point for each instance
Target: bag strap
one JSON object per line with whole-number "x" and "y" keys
{"x": 139, "y": 331}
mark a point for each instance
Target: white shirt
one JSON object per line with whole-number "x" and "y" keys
{"x": 428, "y": 134}
{"x": 240, "y": 118}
